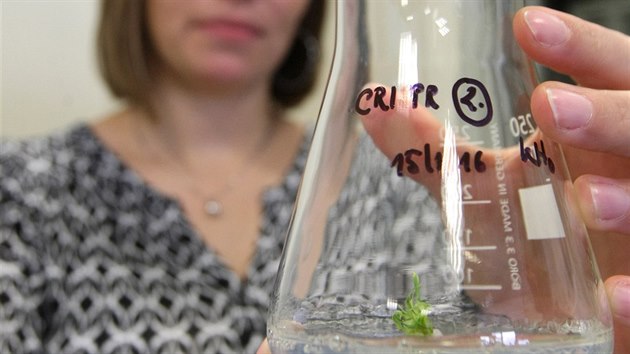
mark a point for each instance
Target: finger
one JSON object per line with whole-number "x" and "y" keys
{"x": 594, "y": 56}
{"x": 618, "y": 289}
{"x": 423, "y": 148}
{"x": 398, "y": 131}
{"x": 264, "y": 348}
{"x": 605, "y": 203}
{"x": 395, "y": 129}
{"x": 589, "y": 119}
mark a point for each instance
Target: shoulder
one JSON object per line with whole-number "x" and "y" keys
{"x": 29, "y": 158}
{"x": 44, "y": 165}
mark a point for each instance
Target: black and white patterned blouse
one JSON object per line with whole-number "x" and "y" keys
{"x": 92, "y": 260}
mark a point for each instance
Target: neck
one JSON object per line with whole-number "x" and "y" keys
{"x": 193, "y": 125}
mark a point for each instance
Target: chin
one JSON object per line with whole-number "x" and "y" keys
{"x": 228, "y": 70}
{"x": 224, "y": 77}
{"x": 223, "y": 82}
{"x": 233, "y": 74}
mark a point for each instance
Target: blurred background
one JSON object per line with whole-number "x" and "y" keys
{"x": 49, "y": 78}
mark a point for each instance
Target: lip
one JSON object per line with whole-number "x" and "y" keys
{"x": 230, "y": 29}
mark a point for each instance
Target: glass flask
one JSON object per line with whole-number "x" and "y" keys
{"x": 433, "y": 215}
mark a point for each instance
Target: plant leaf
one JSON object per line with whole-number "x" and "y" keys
{"x": 412, "y": 318}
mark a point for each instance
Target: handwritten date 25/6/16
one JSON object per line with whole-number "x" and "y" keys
{"x": 413, "y": 161}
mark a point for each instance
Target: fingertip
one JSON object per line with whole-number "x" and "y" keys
{"x": 564, "y": 113}
{"x": 518, "y": 24}
{"x": 590, "y": 54}
{"x": 539, "y": 29}
{"x": 264, "y": 348}
{"x": 604, "y": 203}
{"x": 618, "y": 289}
{"x": 542, "y": 110}
{"x": 545, "y": 28}
{"x": 584, "y": 201}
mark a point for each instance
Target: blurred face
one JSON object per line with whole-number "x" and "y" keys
{"x": 222, "y": 44}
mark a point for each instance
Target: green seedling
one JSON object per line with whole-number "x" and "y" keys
{"x": 413, "y": 317}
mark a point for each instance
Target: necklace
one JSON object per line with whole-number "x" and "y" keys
{"x": 212, "y": 204}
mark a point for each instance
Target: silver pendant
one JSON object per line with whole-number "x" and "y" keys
{"x": 213, "y": 208}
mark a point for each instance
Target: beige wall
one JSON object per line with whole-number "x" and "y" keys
{"x": 48, "y": 75}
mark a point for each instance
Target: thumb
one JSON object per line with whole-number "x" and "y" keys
{"x": 264, "y": 348}
{"x": 618, "y": 289}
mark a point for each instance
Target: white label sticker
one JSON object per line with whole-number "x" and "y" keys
{"x": 540, "y": 212}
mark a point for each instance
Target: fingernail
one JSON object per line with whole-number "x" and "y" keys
{"x": 620, "y": 302}
{"x": 570, "y": 110}
{"x": 610, "y": 202}
{"x": 547, "y": 29}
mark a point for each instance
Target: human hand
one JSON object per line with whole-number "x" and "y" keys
{"x": 592, "y": 122}
{"x": 597, "y": 152}
{"x": 264, "y": 348}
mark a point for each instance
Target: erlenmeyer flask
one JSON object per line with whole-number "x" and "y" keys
{"x": 433, "y": 216}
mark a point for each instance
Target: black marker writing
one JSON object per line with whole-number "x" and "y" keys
{"x": 472, "y": 102}
{"x": 413, "y": 161}
{"x": 376, "y": 98}
{"x": 537, "y": 155}
{"x": 471, "y": 99}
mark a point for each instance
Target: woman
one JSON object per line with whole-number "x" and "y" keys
{"x": 159, "y": 228}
